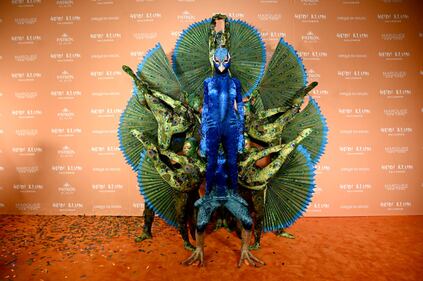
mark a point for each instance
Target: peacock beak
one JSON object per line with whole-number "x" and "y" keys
{"x": 221, "y": 67}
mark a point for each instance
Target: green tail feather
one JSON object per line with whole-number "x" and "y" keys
{"x": 310, "y": 117}
{"x": 289, "y": 192}
{"x": 284, "y": 75}
{"x": 248, "y": 55}
{"x": 190, "y": 59}
{"x": 155, "y": 69}
{"x": 135, "y": 116}
{"x": 158, "y": 194}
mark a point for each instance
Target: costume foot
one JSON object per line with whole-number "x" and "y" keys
{"x": 285, "y": 234}
{"x": 189, "y": 246}
{"x": 250, "y": 258}
{"x": 255, "y": 246}
{"x": 143, "y": 236}
{"x": 198, "y": 255}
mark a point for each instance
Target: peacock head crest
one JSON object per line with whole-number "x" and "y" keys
{"x": 221, "y": 60}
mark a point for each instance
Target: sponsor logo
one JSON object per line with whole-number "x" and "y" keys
{"x": 396, "y": 131}
{"x": 310, "y": 2}
{"x": 393, "y": 36}
{"x": 312, "y": 55}
{"x": 144, "y": 35}
{"x": 107, "y": 206}
{"x": 310, "y": 18}
{"x": 66, "y": 95}
{"x": 397, "y": 55}
{"x": 26, "y": 113}
{"x": 185, "y": 17}
{"x": 105, "y": 94}
{"x": 145, "y": 17}
{"x": 67, "y": 206}
{"x": 105, "y": 74}
{"x": 353, "y": 94}
{"x": 26, "y": 132}
{"x": 106, "y": 112}
{"x": 106, "y": 37}
{"x": 65, "y": 19}
{"x": 351, "y": 18}
{"x": 310, "y": 37}
{"x": 318, "y": 93}
{"x": 352, "y": 37}
{"x": 395, "y": 205}
{"x": 354, "y": 112}
{"x": 355, "y": 187}
{"x": 27, "y": 188}
{"x": 28, "y": 206}
{"x": 396, "y": 186}
{"x": 318, "y": 207}
{"x": 64, "y": 3}
{"x": 64, "y": 39}
{"x": 106, "y": 169}
{"x": 312, "y": 74}
{"x": 25, "y": 3}
{"x": 269, "y": 17}
{"x": 138, "y": 205}
{"x": 66, "y": 169}
{"x": 25, "y": 21}
{"x": 395, "y": 93}
{"x": 350, "y": 206}
{"x": 393, "y": 18}
{"x": 105, "y": 150}
{"x": 272, "y": 36}
{"x": 110, "y": 187}
{"x": 26, "y": 76}
{"x": 66, "y": 189}
{"x": 352, "y": 56}
{"x": 103, "y": 2}
{"x": 396, "y": 149}
{"x": 355, "y": 150}
{"x": 65, "y": 114}
{"x": 66, "y": 132}
{"x": 105, "y": 56}
{"x": 320, "y": 168}
{"x": 353, "y": 74}
{"x": 395, "y": 112}
{"x": 27, "y": 169}
{"x": 394, "y": 74}
{"x": 355, "y": 169}
{"x": 139, "y": 54}
{"x": 396, "y": 168}
{"x": 27, "y": 150}
{"x": 65, "y": 57}
{"x": 105, "y": 18}
{"x": 104, "y": 132}
{"x": 66, "y": 152}
{"x": 26, "y": 58}
{"x": 65, "y": 77}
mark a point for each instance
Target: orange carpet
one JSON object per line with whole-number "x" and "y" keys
{"x": 103, "y": 248}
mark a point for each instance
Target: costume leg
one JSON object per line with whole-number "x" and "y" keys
{"x": 230, "y": 146}
{"x": 181, "y": 216}
{"x": 212, "y": 143}
{"x": 148, "y": 221}
{"x": 205, "y": 211}
{"x": 258, "y": 205}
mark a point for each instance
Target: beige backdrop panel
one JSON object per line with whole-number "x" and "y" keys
{"x": 62, "y": 92}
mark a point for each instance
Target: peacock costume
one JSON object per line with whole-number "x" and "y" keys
{"x": 216, "y": 115}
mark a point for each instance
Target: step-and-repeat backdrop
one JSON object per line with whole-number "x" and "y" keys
{"x": 62, "y": 91}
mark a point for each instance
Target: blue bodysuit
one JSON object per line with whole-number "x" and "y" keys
{"x": 222, "y": 123}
